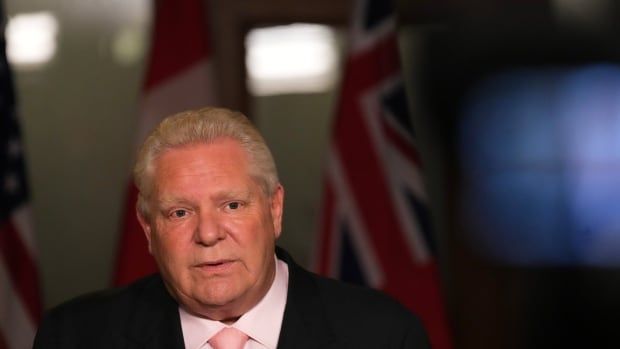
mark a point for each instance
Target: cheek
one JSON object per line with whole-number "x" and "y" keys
{"x": 252, "y": 239}
{"x": 248, "y": 233}
{"x": 169, "y": 244}
{"x": 241, "y": 229}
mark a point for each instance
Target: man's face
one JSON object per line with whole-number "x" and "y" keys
{"x": 212, "y": 229}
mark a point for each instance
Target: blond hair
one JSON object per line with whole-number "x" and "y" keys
{"x": 203, "y": 126}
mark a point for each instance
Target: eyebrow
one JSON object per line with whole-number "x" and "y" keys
{"x": 245, "y": 194}
{"x": 218, "y": 196}
{"x": 172, "y": 201}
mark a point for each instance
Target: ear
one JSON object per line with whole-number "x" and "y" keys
{"x": 146, "y": 227}
{"x": 277, "y": 205}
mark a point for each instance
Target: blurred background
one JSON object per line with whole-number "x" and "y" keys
{"x": 517, "y": 117}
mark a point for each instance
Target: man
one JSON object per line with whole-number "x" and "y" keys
{"x": 210, "y": 204}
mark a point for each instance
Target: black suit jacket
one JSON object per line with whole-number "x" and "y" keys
{"x": 320, "y": 313}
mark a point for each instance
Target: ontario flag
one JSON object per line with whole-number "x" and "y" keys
{"x": 374, "y": 223}
{"x": 178, "y": 78}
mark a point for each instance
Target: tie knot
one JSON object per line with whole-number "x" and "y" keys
{"x": 228, "y": 338}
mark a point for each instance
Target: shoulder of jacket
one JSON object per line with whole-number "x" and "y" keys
{"x": 105, "y": 301}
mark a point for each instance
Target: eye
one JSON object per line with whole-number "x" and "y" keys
{"x": 178, "y": 213}
{"x": 233, "y": 205}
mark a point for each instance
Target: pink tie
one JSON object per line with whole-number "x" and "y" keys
{"x": 228, "y": 338}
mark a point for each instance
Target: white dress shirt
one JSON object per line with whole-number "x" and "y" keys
{"x": 262, "y": 323}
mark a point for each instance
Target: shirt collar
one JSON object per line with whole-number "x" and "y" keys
{"x": 262, "y": 323}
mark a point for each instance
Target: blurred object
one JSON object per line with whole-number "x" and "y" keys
{"x": 129, "y": 44}
{"x": 526, "y": 119}
{"x": 178, "y": 78}
{"x": 31, "y": 39}
{"x": 375, "y": 223}
{"x": 540, "y": 150}
{"x": 295, "y": 58}
{"x": 20, "y": 303}
{"x": 530, "y": 113}
{"x": 589, "y": 13}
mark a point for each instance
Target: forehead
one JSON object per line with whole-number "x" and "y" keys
{"x": 221, "y": 155}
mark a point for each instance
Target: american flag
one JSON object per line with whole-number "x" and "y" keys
{"x": 20, "y": 303}
{"x": 375, "y": 223}
{"x": 178, "y": 78}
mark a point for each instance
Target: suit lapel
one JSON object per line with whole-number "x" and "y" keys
{"x": 305, "y": 325}
{"x": 155, "y": 322}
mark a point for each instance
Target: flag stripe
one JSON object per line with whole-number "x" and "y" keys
{"x": 327, "y": 222}
{"x": 407, "y": 172}
{"x": 133, "y": 249}
{"x": 404, "y": 146}
{"x": 22, "y": 218}
{"x": 397, "y": 111}
{"x": 177, "y": 24}
{"x": 16, "y": 324}
{"x": 348, "y": 210}
{"x": 420, "y": 211}
{"x": 21, "y": 269}
{"x": 366, "y": 63}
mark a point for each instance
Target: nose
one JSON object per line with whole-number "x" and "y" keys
{"x": 209, "y": 230}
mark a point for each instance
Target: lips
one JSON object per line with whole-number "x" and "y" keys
{"x": 219, "y": 265}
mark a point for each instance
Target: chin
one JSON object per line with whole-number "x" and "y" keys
{"x": 217, "y": 295}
